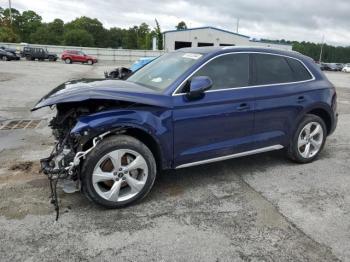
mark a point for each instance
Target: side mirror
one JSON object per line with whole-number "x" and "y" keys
{"x": 198, "y": 86}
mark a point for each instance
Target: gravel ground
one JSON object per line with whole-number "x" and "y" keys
{"x": 258, "y": 208}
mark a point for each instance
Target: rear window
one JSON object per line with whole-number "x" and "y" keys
{"x": 274, "y": 69}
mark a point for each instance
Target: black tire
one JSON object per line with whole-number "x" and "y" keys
{"x": 28, "y": 57}
{"x": 68, "y": 61}
{"x": 5, "y": 58}
{"x": 90, "y": 62}
{"x": 293, "y": 152}
{"x": 110, "y": 144}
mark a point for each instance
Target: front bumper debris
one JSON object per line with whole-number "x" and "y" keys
{"x": 55, "y": 167}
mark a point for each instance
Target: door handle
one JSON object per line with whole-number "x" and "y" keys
{"x": 301, "y": 99}
{"x": 243, "y": 107}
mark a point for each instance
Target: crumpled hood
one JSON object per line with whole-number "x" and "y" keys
{"x": 85, "y": 89}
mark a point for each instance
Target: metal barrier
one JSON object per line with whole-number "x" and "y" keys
{"x": 104, "y": 54}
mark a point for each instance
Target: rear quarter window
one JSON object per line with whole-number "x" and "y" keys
{"x": 299, "y": 70}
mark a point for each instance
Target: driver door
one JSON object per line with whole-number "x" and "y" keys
{"x": 221, "y": 122}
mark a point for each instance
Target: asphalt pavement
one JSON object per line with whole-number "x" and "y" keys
{"x": 257, "y": 208}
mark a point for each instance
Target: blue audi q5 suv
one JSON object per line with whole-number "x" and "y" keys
{"x": 189, "y": 107}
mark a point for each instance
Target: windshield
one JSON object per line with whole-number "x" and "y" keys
{"x": 162, "y": 72}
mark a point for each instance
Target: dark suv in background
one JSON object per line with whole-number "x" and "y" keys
{"x": 32, "y": 53}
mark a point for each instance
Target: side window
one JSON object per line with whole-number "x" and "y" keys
{"x": 227, "y": 71}
{"x": 299, "y": 70}
{"x": 272, "y": 69}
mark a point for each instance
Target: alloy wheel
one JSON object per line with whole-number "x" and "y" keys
{"x": 120, "y": 175}
{"x": 310, "y": 140}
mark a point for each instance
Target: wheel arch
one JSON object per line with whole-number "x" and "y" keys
{"x": 324, "y": 115}
{"x": 149, "y": 140}
{"x": 139, "y": 133}
{"x": 321, "y": 110}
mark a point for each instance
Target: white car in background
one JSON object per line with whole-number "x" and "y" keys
{"x": 346, "y": 68}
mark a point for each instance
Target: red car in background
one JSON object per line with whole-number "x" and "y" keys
{"x": 69, "y": 56}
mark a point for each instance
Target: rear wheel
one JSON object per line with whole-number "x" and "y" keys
{"x": 118, "y": 172}
{"x": 308, "y": 139}
{"x": 4, "y": 58}
{"x": 28, "y": 57}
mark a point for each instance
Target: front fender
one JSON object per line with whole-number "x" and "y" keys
{"x": 157, "y": 123}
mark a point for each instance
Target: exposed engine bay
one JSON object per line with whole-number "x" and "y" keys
{"x": 66, "y": 158}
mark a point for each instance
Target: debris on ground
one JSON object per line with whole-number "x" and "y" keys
{"x": 22, "y": 166}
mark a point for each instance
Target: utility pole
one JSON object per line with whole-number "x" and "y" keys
{"x": 10, "y": 11}
{"x": 320, "y": 59}
{"x": 237, "y": 25}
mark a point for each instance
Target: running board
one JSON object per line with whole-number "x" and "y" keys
{"x": 246, "y": 153}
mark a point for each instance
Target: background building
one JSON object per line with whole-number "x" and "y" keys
{"x": 211, "y": 36}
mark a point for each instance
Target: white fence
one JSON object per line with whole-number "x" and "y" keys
{"x": 105, "y": 54}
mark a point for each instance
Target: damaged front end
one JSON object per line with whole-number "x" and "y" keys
{"x": 87, "y": 111}
{"x": 65, "y": 160}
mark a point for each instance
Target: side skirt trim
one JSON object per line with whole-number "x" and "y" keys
{"x": 246, "y": 153}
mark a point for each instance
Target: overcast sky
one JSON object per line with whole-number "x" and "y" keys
{"x": 299, "y": 20}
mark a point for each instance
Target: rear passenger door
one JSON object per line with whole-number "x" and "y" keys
{"x": 281, "y": 84}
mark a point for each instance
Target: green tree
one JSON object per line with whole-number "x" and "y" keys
{"x": 8, "y": 35}
{"x": 56, "y": 31}
{"x": 78, "y": 37}
{"x": 181, "y": 26}
{"x": 41, "y": 36}
{"x": 159, "y": 35}
{"x": 144, "y": 40}
{"x": 8, "y": 32}
{"x": 130, "y": 38}
{"x": 50, "y": 33}
{"x": 115, "y": 37}
{"x": 28, "y": 23}
{"x": 92, "y": 26}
